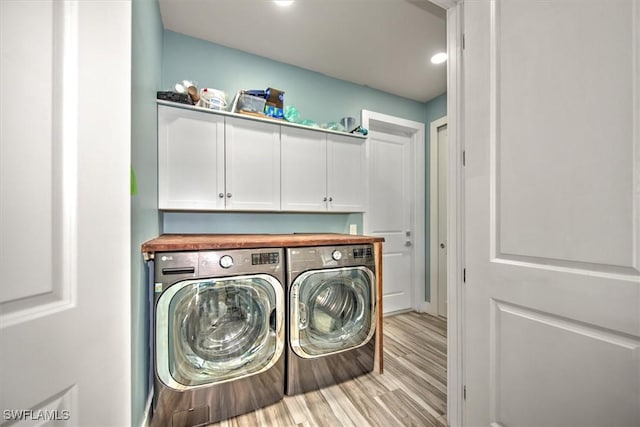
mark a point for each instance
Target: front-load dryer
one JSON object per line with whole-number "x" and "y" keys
{"x": 218, "y": 334}
{"x": 331, "y": 299}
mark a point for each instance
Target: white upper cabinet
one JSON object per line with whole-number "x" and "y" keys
{"x": 190, "y": 160}
{"x": 304, "y": 170}
{"x": 252, "y": 165}
{"x": 207, "y": 164}
{"x": 346, "y": 174}
{"x": 322, "y": 172}
{"x": 220, "y": 161}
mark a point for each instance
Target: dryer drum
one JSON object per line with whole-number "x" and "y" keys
{"x": 224, "y": 323}
{"x": 219, "y": 327}
{"x": 337, "y": 308}
{"x": 334, "y": 306}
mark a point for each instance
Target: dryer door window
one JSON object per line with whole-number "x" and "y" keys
{"x": 210, "y": 331}
{"x": 332, "y": 311}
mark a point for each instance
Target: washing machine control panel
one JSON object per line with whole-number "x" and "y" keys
{"x": 336, "y": 255}
{"x": 265, "y": 258}
{"x": 226, "y": 261}
{"x": 363, "y": 253}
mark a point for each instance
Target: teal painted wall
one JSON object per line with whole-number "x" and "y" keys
{"x": 160, "y": 59}
{"x": 175, "y": 222}
{"x": 435, "y": 109}
{"x": 147, "y": 34}
{"x": 317, "y": 97}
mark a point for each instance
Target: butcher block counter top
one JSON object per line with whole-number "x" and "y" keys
{"x": 195, "y": 242}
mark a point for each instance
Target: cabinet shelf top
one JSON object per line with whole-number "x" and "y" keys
{"x": 257, "y": 118}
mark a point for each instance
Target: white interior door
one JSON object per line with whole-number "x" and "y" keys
{"x": 65, "y": 72}
{"x": 442, "y": 220}
{"x": 389, "y": 215}
{"x": 395, "y": 212}
{"x": 552, "y": 226}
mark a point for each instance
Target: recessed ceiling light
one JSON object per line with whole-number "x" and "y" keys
{"x": 439, "y": 58}
{"x": 283, "y": 2}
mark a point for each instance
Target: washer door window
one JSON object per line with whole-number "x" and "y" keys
{"x": 332, "y": 311}
{"x": 211, "y": 331}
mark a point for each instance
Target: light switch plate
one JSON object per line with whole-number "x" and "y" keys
{"x": 353, "y": 228}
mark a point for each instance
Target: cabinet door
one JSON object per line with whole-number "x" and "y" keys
{"x": 346, "y": 173}
{"x": 252, "y": 165}
{"x": 190, "y": 159}
{"x": 304, "y": 170}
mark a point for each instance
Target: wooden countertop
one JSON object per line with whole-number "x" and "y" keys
{"x": 194, "y": 242}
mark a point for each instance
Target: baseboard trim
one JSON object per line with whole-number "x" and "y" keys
{"x": 393, "y": 313}
{"x": 429, "y": 308}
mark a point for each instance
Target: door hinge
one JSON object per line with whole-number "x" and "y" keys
{"x": 464, "y": 158}
{"x": 464, "y": 392}
{"x": 464, "y": 275}
{"x": 463, "y": 41}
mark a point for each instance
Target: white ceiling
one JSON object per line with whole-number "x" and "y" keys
{"x": 383, "y": 44}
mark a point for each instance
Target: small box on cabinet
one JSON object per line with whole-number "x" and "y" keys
{"x": 252, "y": 104}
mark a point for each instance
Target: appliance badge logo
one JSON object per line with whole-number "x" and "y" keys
{"x": 166, "y": 258}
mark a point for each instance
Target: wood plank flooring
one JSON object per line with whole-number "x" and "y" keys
{"x": 411, "y": 392}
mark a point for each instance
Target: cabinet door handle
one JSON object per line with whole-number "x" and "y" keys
{"x": 221, "y": 195}
{"x": 324, "y": 200}
{"x": 331, "y": 199}
{"x": 229, "y": 195}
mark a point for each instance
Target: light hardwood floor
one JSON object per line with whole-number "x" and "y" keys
{"x": 411, "y": 392}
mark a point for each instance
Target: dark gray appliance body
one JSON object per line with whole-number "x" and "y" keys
{"x": 218, "y": 334}
{"x": 331, "y": 308}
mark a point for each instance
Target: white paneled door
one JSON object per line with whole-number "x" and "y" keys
{"x": 65, "y": 71}
{"x": 552, "y": 208}
{"x": 389, "y": 215}
{"x": 396, "y": 206}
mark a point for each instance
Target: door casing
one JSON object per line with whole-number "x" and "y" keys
{"x": 455, "y": 208}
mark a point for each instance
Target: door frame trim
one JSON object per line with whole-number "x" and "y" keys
{"x": 455, "y": 210}
{"x": 432, "y": 306}
{"x": 416, "y": 130}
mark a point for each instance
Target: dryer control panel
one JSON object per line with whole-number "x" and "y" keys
{"x": 313, "y": 257}
{"x": 171, "y": 267}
